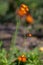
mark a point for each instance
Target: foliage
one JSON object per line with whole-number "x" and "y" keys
{"x": 32, "y": 57}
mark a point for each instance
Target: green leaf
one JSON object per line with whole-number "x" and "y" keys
{"x": 1, "y": 43}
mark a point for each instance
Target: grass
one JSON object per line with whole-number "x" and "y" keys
{"x": 31, "y": 57}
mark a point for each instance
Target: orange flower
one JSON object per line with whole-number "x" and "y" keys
{"x": 29, "y": 19}
{"x": 22, "y": 58}
{"x": 23, "y": 10}
{"x": 29, "y": 35}
{"x": 25, "y": 7}
{"x": 20, "y": 13}
{"x": 19, "y": 58}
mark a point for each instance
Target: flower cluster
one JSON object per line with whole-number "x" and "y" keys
{"x": 24, "y": 10}
{"x": 22, "y": 58}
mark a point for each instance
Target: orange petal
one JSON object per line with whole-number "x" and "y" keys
{"x": 19, "y": 58}
{"x": 24, "y": 59}
{"x": 20, "y": 13}
{"x": 23, "y": 5}
{"x": 22, "y": 9}
{"x": 29, "y": 19}
{"x": 29, "y": 35}
{"x": 24, "y": 12}
{"x": 27, "y": 9}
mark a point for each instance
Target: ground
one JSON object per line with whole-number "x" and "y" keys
{"x": 6, "y": 33}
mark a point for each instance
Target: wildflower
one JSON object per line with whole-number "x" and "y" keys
{"x": 23, "y": 10}
{"x": 22, "y": 55}
{"x": 25, "y": 7}
{"x": 41, "y": 49}
{"x": 29, "y": 19}
{"x": 21, "y": 13}
{"x": 19, "y": 58}
{"x": 29, "y": 35}
{"x": 22, "y": 58}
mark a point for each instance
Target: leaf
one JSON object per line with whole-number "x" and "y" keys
{"x": 1, "y": 43}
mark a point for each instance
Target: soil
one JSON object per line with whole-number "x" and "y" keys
{"x": 6, "y": 32}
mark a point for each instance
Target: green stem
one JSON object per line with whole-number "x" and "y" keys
{"x": 19, "y": 63}
{"x": 13, "y": 42}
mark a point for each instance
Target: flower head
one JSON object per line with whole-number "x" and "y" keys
{"x": 22, "y": 58}
{"x": 23, "y": 10}
{"x": 29, "y": 19}
{"x": 21, "y": 13}
{"x": 19, "y": 58}
{"x": 25, "y": 7}
{"x": 29, "y": 35}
